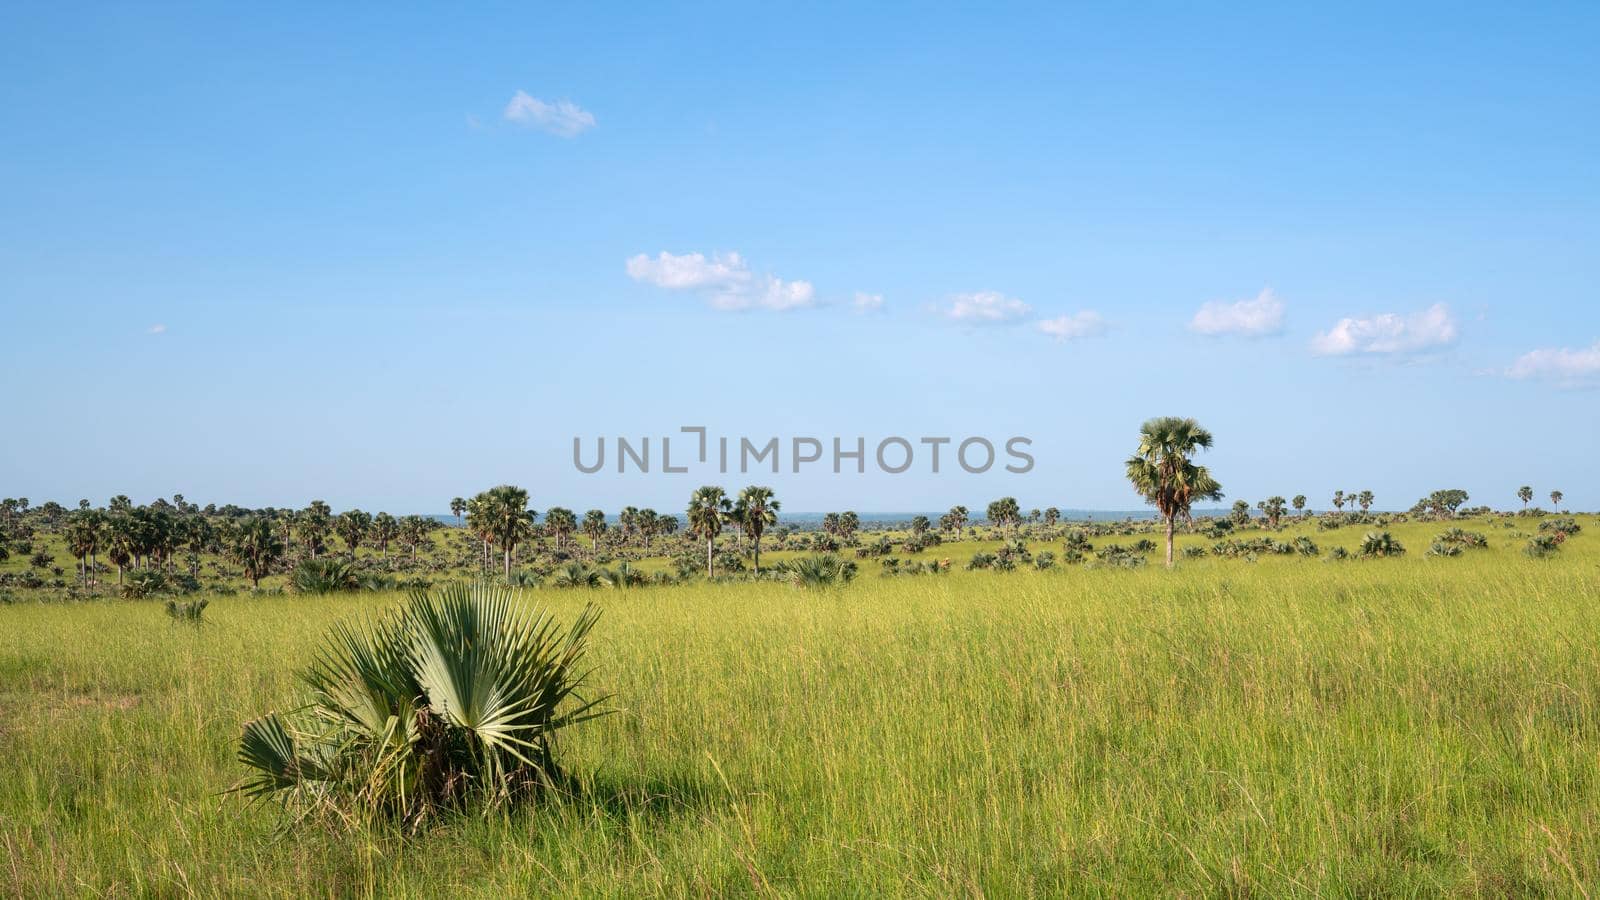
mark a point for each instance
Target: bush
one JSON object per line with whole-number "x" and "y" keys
{"x": 450, "y": 702}
{"x": 325, "y": 576}
{"x": 1380, "y": 543}
{"x": 188, "y": 612}
{"x": 1541, "y": 546}
{"x": 142, "y": 583}
{"x": 1565, "y": 526}
{"x": 826, "y": 570}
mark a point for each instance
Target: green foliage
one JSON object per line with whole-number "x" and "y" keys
{"x": 1380, "y": 544}
{"x": 325, "y": 576}
{"x": 1542, "y": 546}
{"x": 187, "y": 611}
{"x": 825, "y": 570}
{"x": 450, "y": 702}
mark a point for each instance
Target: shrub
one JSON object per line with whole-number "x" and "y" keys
{"x": 325, "y": 576}
{"x": 1045, "y": 560}
{"x": 1338, "y": 553}
{"x": 1565, "y": 526}
{"x": 188, "y": 612}
{"x": 1380, "y": 543}
{"x": 448, "y": 702}
{"x": 826, "y": 570}
{"x": 1541, "y": 546}
{"x": 142, "y": 583}
{"x": 1305, "y": 546}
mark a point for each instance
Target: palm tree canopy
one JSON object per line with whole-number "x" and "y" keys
{"x": 1162, "y": 471}
{"x": 708, "y": 510}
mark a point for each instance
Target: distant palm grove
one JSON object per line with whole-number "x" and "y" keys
{"x": 172, "y": 546}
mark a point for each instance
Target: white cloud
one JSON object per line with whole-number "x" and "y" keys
{"x": 1558, "y": 364}
{"x": 985, "y": 307}
{"x": 725, "y": 279}
{"x": 1247, "y": 318}
{"x": 1087, "y": 323}
{"x": 562, "y": 118}
{"x": 156, "y": 329}
{"x": 866, "y": 302}
{"x": 1389, "y": 333}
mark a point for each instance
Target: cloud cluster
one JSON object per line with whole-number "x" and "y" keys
{"x": 985, "y": 308}
{"x": 1388, "y": 334}
{"x": 1087, "y": 323}
{"x": 1561, "y": 364}
{"x": 1246, "y": 318}
{"x": 725, "y": 279}
{"x": 866, "y": 302}
{"x": 562, "y": 118}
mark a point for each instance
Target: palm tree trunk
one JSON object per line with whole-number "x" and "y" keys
{"x": 709, "y": 543}
{"x": 508, "y": 561}
{"x": 758, "y": 553}
{"x": 1169, "y": 541}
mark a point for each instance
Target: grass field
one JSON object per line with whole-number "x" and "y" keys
{"x": 1289, "y": 727}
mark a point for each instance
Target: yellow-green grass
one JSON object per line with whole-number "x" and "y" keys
{"x": 1288, "y": 727}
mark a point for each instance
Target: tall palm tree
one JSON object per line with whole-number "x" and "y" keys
{"x": 1338, "y": 500}
{"x": 629, "y": 521}
{"x": 1164, "y": 474}
{"x": 384, "y": 530}
{"x": 508, "y": 518}
{"x": 255, "y": 546}
{"x": 594, "y": 525}
{"x": 353, "y": 525}
{"x": 649, "y": 521}
{"x": 708, "y": 510}
{"x": 1555, "y": 498}
{"x": 458, "y": 506}
{"x": 1364, "y": 500}
{"x": 313, "y": 523}
{"x": 1299, "y": 503}
{"x": 753, "y": 512}
{"x": 561, "y": 523}
{"x": 1525, "y": 493}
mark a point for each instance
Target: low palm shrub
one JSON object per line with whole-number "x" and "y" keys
{"x": 1541, "y": 546}
{"x": 452, "y": 701}
{"x": 1380, "y": 543}
{"x": 188, "y": 612}
{"x": 826, "y": 570}
{"x": 325, "y": 576}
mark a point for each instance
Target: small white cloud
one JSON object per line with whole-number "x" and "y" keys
{"x": 985, "y": 308}
{"x": 1087, "y": 323}
{"x": 725, "y": 279}
{"x": 1570, "y": 367}
{"x": 1388, "y": 334}
{"x": 156, "y": 329}
{"x": 562, "y": 118}
{"x": 1247, "y": 318}
{"x": 866, "y": 302}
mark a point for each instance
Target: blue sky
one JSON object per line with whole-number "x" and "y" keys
{"x": 384, "y": 257}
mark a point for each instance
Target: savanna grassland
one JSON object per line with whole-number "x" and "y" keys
{"x": 1288, "y": 726}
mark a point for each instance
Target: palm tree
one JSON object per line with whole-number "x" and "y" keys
{"x": 507, "y": 518}
{"x": 753, "y": 512}
{"x": 708, "y": 510}
{"x": 458, "y": 506}
{"x": 1525, "y": 493}
{"x": 384, "y": 530}
{"x": 313, "y": 523}
{"x": 849, "y": 523}
{"x": 954, "y": 520}
{"x": 353, "y": 525}
{"x": 1299, "y": 503}
{"x": 1163, "y": 473}
{"x": 629, "y": 521}
{"x": 1338, "y": 500}
{"x": 414, "y": 532}
{"x": 1365, "y": 500}
{"x": 1004, "y": 513}
{"x": 1273, "y": 509}
{"x": 83, "y": 536}
{"x": 1052, "y": 516}
{"x": 255, "y": 546}
{"x": 561, "y": 523}
{"x": 1555, "y": 498}
{"x": 594, "y": 525}
{"x": 649, "y": 521}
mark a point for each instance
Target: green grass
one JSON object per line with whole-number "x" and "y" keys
{"x": 1283, "y": 728}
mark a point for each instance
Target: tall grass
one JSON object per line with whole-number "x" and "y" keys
{"x": 1413, "y": 725}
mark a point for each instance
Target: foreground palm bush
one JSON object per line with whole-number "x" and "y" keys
{"x": 452, "y": 701}
{"x": 325, "y": 576}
